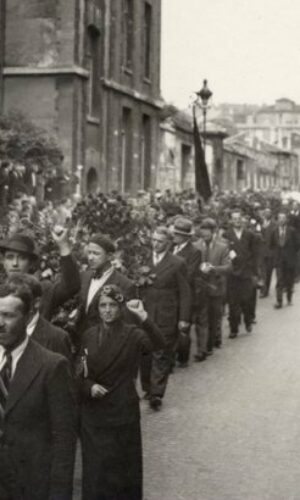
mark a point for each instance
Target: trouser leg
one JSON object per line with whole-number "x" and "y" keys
{"x": 214, "y": 321}
{"x": 161, "y": 366}
{"x": 247, "y": 301}
{"x": 268, "y": 274}
{"x": 253, "y": 303}
{"x": 279, "y": 284}
{"x": 183, "y": 348}
{"x": 201, "y": 328}
{"x": 290, "y": 279}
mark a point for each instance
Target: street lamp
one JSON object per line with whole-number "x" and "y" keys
{"x": 202, "y": 100}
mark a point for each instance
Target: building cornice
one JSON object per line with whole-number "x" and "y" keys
{"x": 134, "y": 94}
{"x": 39, "y": 71}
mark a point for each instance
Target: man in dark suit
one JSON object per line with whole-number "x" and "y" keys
{"x": 100, "y": 254}
{"x": 243, "y": 253}
{"x": 37, "y": 409}
{"x": 20, "y": 256}
{"x": 267, "y": 228}
{"x": 285, "y": 243}
{"x": 168, "y": 303}
{"x": 38, "y": 328}
{"x": 184, "y": 248}
{"x": 214, "y": 270}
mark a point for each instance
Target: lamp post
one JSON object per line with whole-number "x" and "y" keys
{"x": 202, "y": 100}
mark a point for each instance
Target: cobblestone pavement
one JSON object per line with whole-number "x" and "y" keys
{"x": 230, "y": 428}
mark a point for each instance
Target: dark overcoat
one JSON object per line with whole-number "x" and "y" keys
{"x": 287, "y": 254}
{"x": 246, "y": 263}
{"x": 110, "y": 426}
{"x": 37, "y": 448}
{"x": 168, "y": 299}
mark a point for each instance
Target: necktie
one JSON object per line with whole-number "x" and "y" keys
{"x": 5, "y": 376}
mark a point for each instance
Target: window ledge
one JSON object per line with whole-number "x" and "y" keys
{"x": 127, "y": 70}
{"x": 93, "y": 119}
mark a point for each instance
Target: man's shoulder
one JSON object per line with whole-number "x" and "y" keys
{"x": 46, "y": 357}
{"x": 193, "y": 249}
{"x": 118, "y": 277}
{"x": 53, "y": 330}
{"x": 220, "y": 245}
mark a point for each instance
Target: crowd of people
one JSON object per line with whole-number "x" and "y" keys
{"x": 198, "y": 264}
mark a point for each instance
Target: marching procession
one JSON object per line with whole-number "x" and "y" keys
{"x": 101, "y": 301}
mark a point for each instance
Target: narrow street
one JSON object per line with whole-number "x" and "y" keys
{"x": 229, "y": 428}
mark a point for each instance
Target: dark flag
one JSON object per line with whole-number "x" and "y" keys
{"x": 201, "y": 175}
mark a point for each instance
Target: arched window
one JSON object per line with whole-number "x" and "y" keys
{"x": 92, "y": 181}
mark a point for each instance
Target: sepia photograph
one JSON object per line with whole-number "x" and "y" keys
{"x": 149, "y": 250}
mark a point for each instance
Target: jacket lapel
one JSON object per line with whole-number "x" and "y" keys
{"x": 27, "y": 369}
{"x": 163, "y": 264}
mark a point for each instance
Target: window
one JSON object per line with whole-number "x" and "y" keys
{"x": 240, "y": 170}
{"x": 146, "y": 153}
{"x": 126, "y": 169}
{"x": 128, "y": 22}
{"x": 93, "y": 65}
{"x": 186, "y": 152}
{"x": 147, "y": 39}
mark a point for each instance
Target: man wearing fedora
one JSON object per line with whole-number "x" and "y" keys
{"x": 20, "y": 255}
{"x": 183, "y": 247}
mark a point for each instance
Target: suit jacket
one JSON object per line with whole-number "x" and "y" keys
{"x": 287, "y": 254}
{"x": 53, "y": 338}
{"x": 192, "y": 257}
{"x": 267, "y": 250}
{"x": 55, "y": 294}
{"x": 294, "y": 220}
{"x": 218, "y": 256}
{"x": 88, "y": 318}
{"x": 37, "y": 449}
{"x": 112, "y": 363}
{"x": 246, "y": 263}
{"x": 168, "y": 299}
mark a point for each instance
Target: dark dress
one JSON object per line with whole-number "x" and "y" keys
{"x": 110, "y": 426}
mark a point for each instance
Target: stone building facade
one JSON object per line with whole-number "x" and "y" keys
{"x": 176, "y": 159}
{"x": 264, "y": 167}
{"x": 89, "y": 72}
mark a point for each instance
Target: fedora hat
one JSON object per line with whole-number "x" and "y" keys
{"x": 19, "y": 242}
{"x": 183, "y": 226}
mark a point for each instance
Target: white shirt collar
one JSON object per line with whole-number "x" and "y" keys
{"x": 32, "y": 324}
{"x": 158, "y": 257}
{"x": 180, "y": 247}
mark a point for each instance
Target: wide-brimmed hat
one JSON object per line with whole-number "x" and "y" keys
{"x": 183, "y": 226}
{"x": 19, "y": 242}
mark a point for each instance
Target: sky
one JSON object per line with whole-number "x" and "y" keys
{"x": 249, "y": 50}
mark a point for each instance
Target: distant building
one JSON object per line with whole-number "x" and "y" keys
{"x": 263, "y": 167}
{"x": 89, "y": 72}
{"x": 276, "y": 124}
